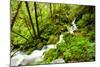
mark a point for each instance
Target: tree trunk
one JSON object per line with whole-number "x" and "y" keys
{"x": 36, "y": 17}
{"x": 51, "y": 9}
{"x": 30, "y": 19}
{"x": 60, "y": 13}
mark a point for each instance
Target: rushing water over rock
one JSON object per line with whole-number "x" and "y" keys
{"x": 61, "y": 39}
{"x": 59, "y": 60}
{"x": 17, "y": 58}
{"x": 73, "y": 27}
{"x": 37, "y": 55}
{"x": 47, "y": 47}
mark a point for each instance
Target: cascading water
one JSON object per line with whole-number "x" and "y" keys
{"x": 17, "y": 58}
{"x": 60, "y": 39}
{"x": 35, "y": 56}
{"x": 73, "y": 27}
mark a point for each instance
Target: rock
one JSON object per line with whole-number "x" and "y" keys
{"x": 47, "y": 47}
{"x": 60, "y": 60}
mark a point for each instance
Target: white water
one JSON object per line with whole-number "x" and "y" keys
{"x": 59, "y": 60}
{"x": 61, "y": 39}
{"x": 46, "y": 48}
{"x": 37, "y": 55}
{"x": 73, "y": 27}
{"x": 18, "y": 58}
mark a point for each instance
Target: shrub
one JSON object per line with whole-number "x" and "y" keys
{"x": 50, "y": 55}
{"x": 74, "y": 49}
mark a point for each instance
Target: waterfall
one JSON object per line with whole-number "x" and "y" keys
{"x": 37, "y": 55}
{"x": 17, "y": 58}
{"x": 60, "y": 39}
{"x": 73, "y": 27}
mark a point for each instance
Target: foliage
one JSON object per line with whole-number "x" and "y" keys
{"x": 50, "y": 55}
{"x": 53, "y": 20}
{"x": 75, "y": 49}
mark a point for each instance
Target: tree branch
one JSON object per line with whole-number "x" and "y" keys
{"x": 14, "y": 18}
{"x": 20, "y": 35}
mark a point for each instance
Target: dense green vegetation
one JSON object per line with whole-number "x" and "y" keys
{"x": 34, "y": 25}
{"x": 75, "y": 49}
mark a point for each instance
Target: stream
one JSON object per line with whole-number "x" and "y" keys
{"x": 21, "y": 58}
{"x": 37, "y": 55}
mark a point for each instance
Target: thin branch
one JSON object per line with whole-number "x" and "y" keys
{"x": 14, "y": 18}
{"x": 20, "y": 35}
{"x": 28, "y": 28}
{"x": 60, "y": 14}
{"x": 15, "y": 52}
{"x": 41, "y": 15}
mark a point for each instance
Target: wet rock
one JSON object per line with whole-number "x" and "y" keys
{"x": 60, "y": 60}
